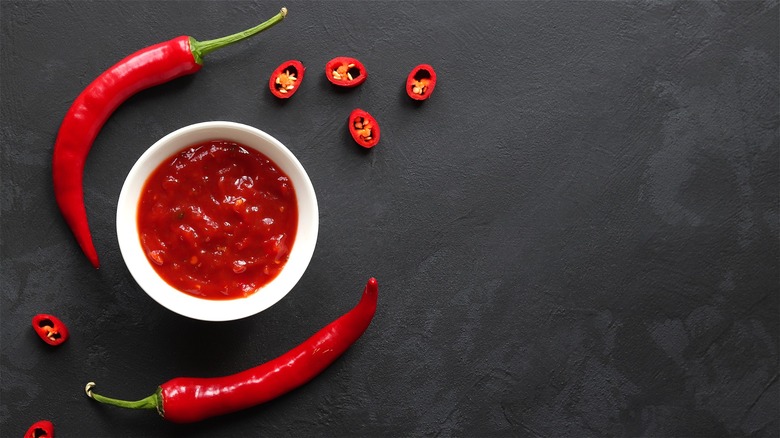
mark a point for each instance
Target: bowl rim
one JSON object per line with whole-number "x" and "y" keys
{"x": 201, "y": 308}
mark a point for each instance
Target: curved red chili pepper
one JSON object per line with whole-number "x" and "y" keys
{"x": 145, "y": 68}
{"x": 41, "y": 429}
{"x": 50, "y": 329}
{"x": 345, "y": 72}
{"x": 364, "y": 128}
{"x": 187, "y": 399}
{"x": 286, "y": 79}
{"x": 421, "y": 82}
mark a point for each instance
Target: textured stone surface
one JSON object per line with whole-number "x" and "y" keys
{"x": 576, "y": 236}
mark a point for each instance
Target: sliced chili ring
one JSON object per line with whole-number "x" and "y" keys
{"x": 421, "y": 82}
{"x": 345, "y": 72}
{"x": 364, "y": 128}
{"x": 286, "y": 79}
{"x": 50, "y": 329}
{"x": 41, "y": 429}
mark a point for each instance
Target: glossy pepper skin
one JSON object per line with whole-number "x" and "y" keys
{"x": 292, "y": 71}
{"x": 40, "y": 429}
{"x": 421, "y": 82}
{"x": 345, "y": 72}
{"x": 50, "y": 329}
{"x": 145, "y": 68}
{"x": 188, "y": 399}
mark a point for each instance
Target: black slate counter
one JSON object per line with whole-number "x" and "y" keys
{"x": 577, "y": 235}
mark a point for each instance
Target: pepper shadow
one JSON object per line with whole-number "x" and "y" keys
{"x": 347, "y": 139}
{"x": 188, "y": 341}
{"x": 406, "y": 101}
{"x": 325, "y": 84}
{"x": 277, "y": 103}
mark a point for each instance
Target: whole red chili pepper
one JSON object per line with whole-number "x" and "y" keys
{"x": 421, "y": 82}
{"x": 364, "y": 128}
{"x": 187, "y": 399}
{"x": 345, "y": 72}
{"x": 286, "y": 79}
{"x": 41, "y": 429}
{"x": 50, "y": 329}
{"x": 145, "y": 68}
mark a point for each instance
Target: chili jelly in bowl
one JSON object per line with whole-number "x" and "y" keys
{"x": 217, "y": 221}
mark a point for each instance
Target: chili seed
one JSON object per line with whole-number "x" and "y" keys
{"x": 238, "y": 203}
{"x": 51, "y": 333}
{"x": 285, "y": 81}
{"x": 349, "y": 76}
{"x": 156, "y": 257}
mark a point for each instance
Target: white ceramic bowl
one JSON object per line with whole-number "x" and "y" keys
{"x": 206, "y": 309}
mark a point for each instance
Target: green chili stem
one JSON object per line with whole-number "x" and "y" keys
{"x": 151, "y": 402}
{"x": 203, "y": 48}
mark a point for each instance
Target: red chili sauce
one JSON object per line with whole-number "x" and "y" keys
{"x": 218, "y": 220}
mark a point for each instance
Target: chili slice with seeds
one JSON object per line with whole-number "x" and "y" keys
{"x": 41, "y": 429}
{"x": 345, "y": 72}
{"x": 421, "y": 82}
{"x": 364, "y": 128}
{"x": 286, "y": 79}
{"x": 50, "y": 329}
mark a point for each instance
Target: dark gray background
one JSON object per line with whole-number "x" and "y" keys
{"x": 576, "y": 236}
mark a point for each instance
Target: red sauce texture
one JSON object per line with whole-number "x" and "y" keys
{"x": 218, "y": 220}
